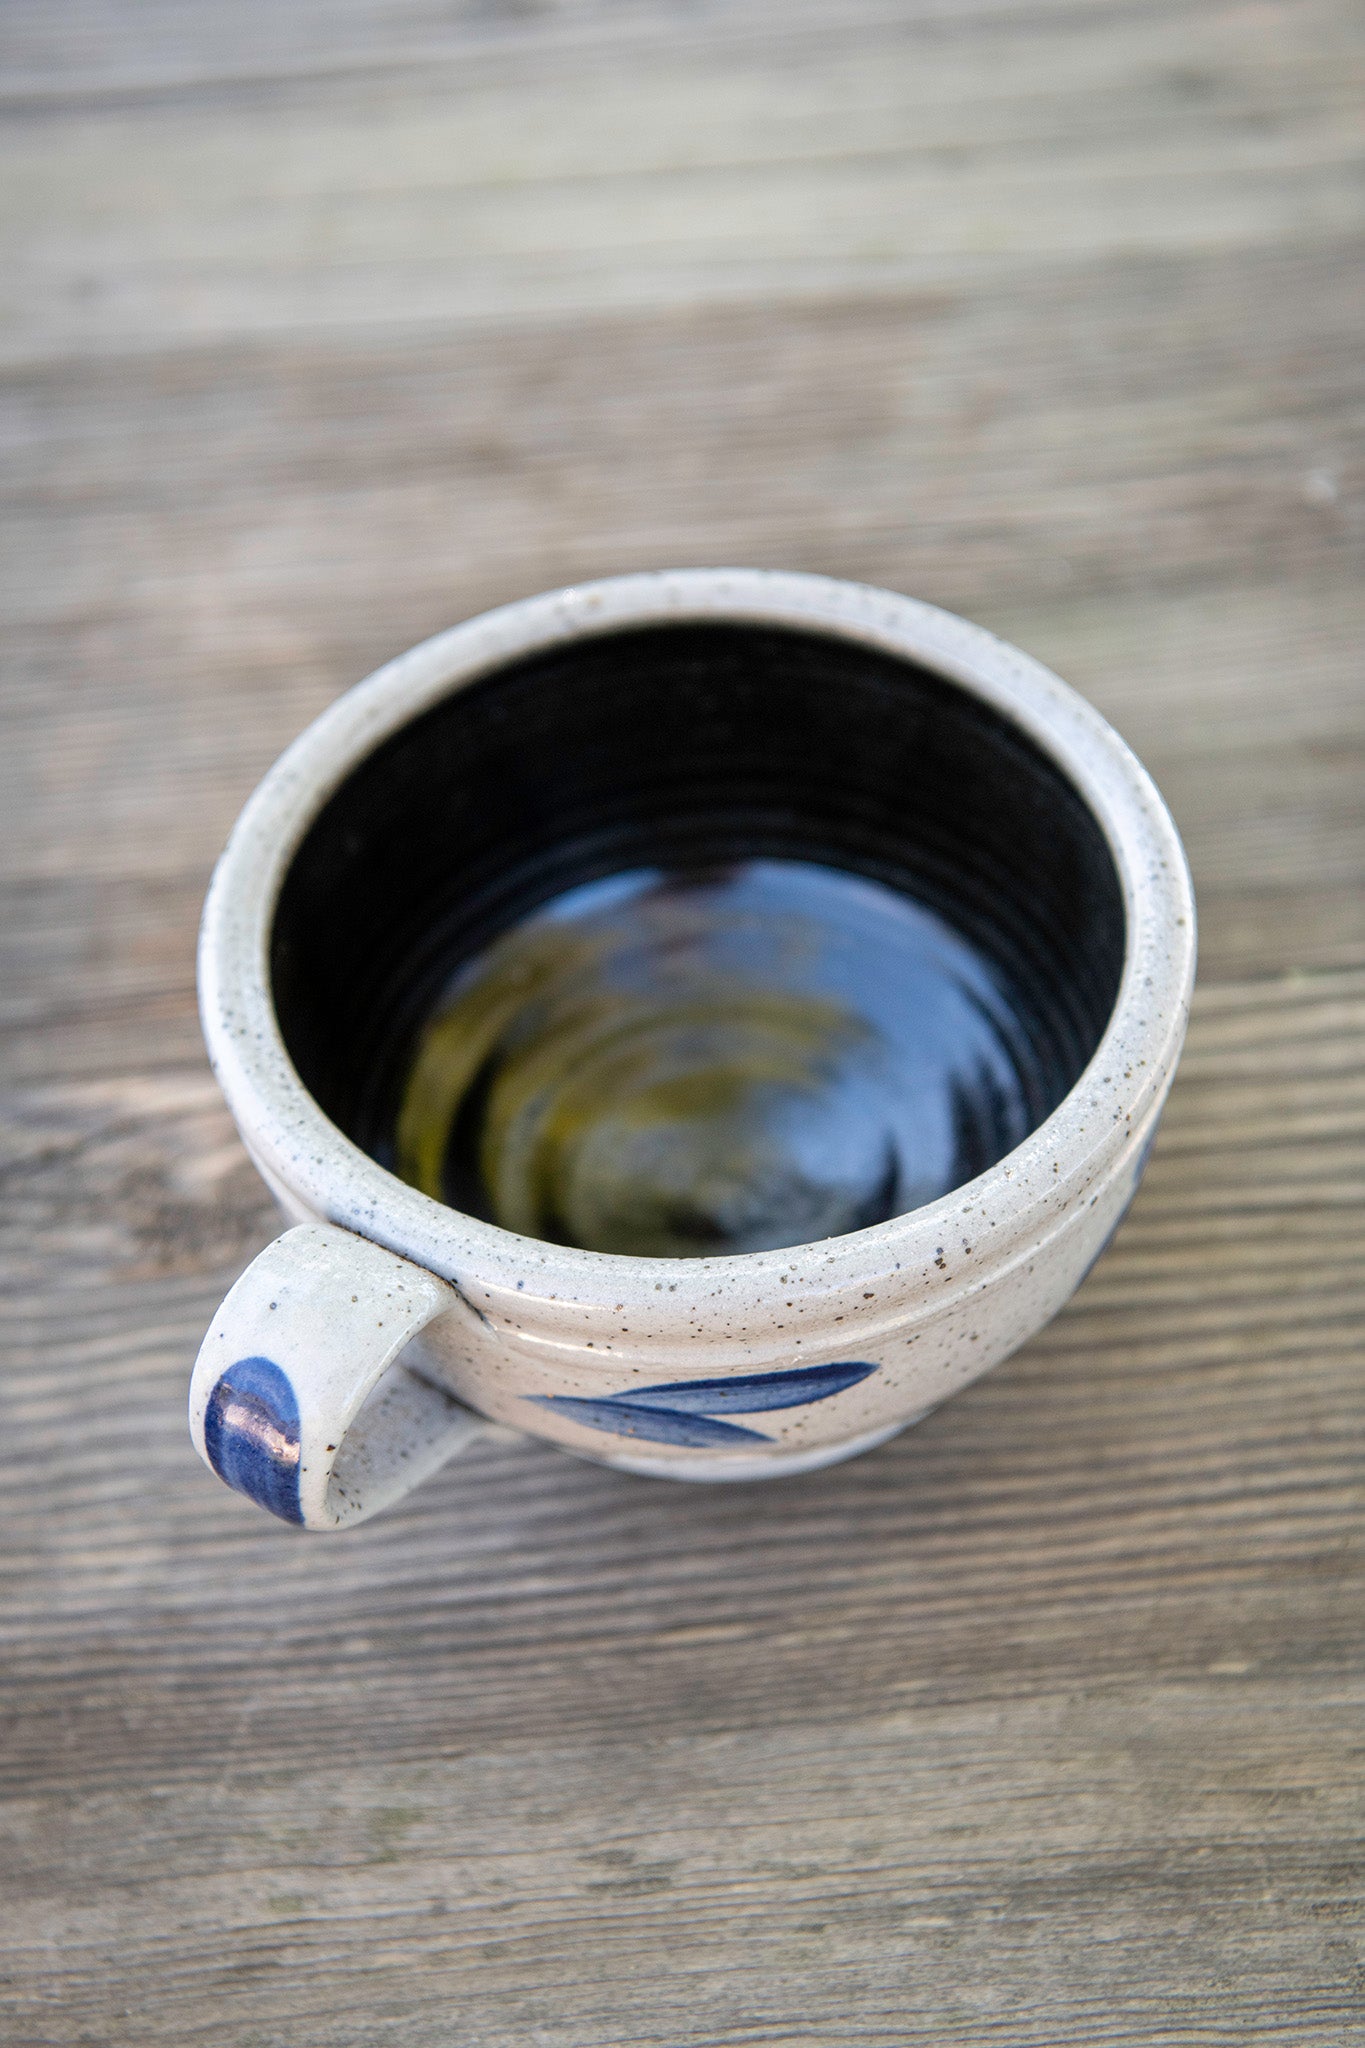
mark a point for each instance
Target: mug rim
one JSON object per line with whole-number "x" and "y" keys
{"x": 1108, "y": 1111}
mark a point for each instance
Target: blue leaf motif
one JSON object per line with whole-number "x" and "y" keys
{"x": 659, "y": 1425}
{"x": 688, "y": 1412}
{"x": 756, "y": 1390}
{"x": 251, "y": 1433}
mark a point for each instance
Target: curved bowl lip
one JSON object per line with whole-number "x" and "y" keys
{"x": 1101, "y": 1120}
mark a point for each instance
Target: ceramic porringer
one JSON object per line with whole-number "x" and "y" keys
{"x": 702, "y": 715}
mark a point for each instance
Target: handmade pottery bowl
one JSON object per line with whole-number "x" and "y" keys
{"x": 687, "y": 722}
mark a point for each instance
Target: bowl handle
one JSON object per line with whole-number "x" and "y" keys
{"x": 300, "y": 1398}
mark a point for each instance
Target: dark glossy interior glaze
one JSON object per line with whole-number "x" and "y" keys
{"x": 686, "y": 748}
{"x": 670, "y": 1065}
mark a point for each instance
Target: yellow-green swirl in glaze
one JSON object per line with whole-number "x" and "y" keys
{"x": 728, "y": 1062}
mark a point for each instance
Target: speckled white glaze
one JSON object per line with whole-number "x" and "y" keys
{"x": 930, "y": 1299}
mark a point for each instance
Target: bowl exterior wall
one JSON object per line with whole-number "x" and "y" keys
{"x": 541, "y": 1375}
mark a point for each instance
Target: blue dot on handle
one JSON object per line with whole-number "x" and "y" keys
{"x": 251, "y": 1433}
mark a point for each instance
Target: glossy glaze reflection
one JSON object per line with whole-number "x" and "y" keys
{"x": 728, "y": 1061}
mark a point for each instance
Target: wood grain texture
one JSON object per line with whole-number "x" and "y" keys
{"x": 324, "y": 325}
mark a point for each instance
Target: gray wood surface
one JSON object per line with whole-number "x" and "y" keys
{"x": 325, "y": 324}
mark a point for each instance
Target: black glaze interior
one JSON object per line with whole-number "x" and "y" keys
{"x": 686, "y": 747}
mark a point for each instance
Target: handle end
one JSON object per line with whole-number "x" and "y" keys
{"x": 299, "y": 1399}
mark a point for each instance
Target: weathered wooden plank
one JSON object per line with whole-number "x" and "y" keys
{"x": 81, "y": 48}
{"x": 1115, "y": 1587}
{"x": 888, "y": 1884}
{"x": 1050, "y": 1703}
{"x": 167, "y": 639}
{"x": 1184, "y": 1434}
{"x": 567, "y": 177}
